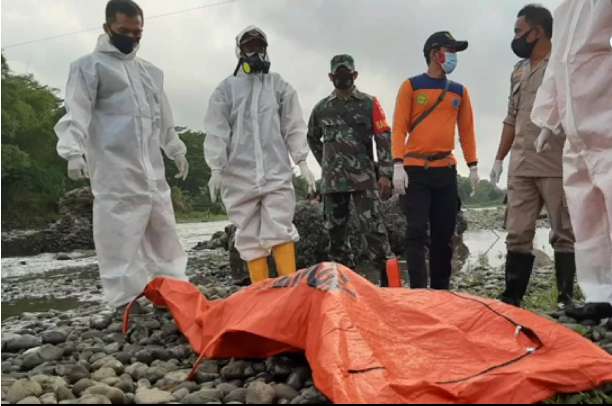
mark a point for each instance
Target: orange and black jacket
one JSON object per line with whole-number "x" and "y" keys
{"x": 436, "y": 134}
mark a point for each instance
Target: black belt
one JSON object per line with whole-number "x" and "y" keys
{"x": 437, "y": 156}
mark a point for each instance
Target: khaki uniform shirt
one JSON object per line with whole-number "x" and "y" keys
{"x": 524, "y": 160}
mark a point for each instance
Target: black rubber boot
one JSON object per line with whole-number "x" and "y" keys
{"x": 565, "y": 272}
{"x": 417, "y": 277}
{"x": 590, "y": 311}
{"x": 384, "y": 280}
{"x": 518, "y": 272}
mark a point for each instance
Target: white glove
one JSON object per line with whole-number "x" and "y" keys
{"x": 183, "y": 167}
{"x": 214, "y": 185}
{"x": 308, "y": 177}
{"x": 400, "y": 178}
{"x": 77, "y": 169}
{"x": 474, "y": 179}
{"x": 498, "y": 168}
{"x": 542, "y": 142}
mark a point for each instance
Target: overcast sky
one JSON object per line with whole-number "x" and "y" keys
{"x": 196, "y": 48}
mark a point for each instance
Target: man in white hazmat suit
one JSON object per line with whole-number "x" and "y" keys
{"x": 576, "y": 97}
{"x": 117, "y": 122}
{"x": 253, "y": 125}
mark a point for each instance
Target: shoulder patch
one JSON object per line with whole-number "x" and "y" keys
{"x": 379, "y": 119}
{"x": 456, "y": 88}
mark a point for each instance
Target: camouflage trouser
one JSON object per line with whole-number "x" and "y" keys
{"x": 368, "y": 211}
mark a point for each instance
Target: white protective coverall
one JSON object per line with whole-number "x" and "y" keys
{"x": 254, "y": 122}
{"x": 576, "y": 95}
{"x": 118, "y": 116}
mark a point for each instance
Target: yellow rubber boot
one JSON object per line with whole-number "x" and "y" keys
{"x": 284, "y": 257}
{"x": 258, "y": 269}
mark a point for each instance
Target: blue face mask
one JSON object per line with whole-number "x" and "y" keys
{"x": 450, "y": 62}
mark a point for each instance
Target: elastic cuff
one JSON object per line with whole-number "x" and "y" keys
{"x": 472, "y": 164}
{"x": 396, "y": 160}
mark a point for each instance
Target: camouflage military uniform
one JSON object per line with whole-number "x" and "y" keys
{"x": 340, "y": 133}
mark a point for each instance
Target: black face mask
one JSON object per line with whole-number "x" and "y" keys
{"x": 521, "y": 47}
{"x": 343, "y": 82}
{"x": 122, "y": 42}
{"x": 253, "y": 64}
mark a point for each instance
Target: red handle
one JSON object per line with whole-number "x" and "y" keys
{"x": 393, "y": 273}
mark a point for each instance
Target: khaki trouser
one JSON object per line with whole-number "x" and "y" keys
{"x": 526, "y": 197}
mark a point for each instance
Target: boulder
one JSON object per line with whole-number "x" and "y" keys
{"x": 71, "y": 232}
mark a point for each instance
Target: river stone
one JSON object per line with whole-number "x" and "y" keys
{"x": 234, "y": 370}
{"x": 49, "y": 383}
{"x": 237, "y": 395}
{"x": 177, "y": 377}
{"x": 101, "y": 321}
{"x": 50, "y": 352}
{"x": 74, "y": 373}
{"x": 154, "y": 374}
{"x": 109, "y": 362}
{"x": 31, "y": 359}
{"x": 203, "y": 396}
{"x": 284, "y": 391}
{"x": 103, "y": 373}
{"x": 22, "y": 389}
{"x": 17, "y": 342}
{"x": 63, "y": 393}
{"x": 137, "y": 370}
{"x": 226, "y": 388}
{"x": 152, "y": 397}
{"x": 48, "y": 399}
{"x": 54, "y": 337}
{"x": 116, "y": 396}
{"x": 145, "y": 356}
{"x": 30, "y": 400}
{"x": 260, "y": 393}
{"x": 94, "y": 400}
{"x": 180, "y": 394}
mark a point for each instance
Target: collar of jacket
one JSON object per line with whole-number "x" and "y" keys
{"x": 355, "y": 93}
{"x": 105, "y": 46}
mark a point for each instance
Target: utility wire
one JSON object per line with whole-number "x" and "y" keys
{"x": 153, "y": 17}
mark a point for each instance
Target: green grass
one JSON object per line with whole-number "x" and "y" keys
{"x": 199, "y": 216}
{"x": 596, "y": 397}
{"x": 542, "y": 301}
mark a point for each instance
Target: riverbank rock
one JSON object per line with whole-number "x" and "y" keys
{"x": 72, "y": 231}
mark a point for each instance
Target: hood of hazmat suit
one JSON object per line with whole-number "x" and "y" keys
{"x": 576, "y": 96}
{"x": 254, "y": 127}
{"x": 119, "y": 118}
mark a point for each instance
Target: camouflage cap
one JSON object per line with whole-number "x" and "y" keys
{"x": 342, "y": 60}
